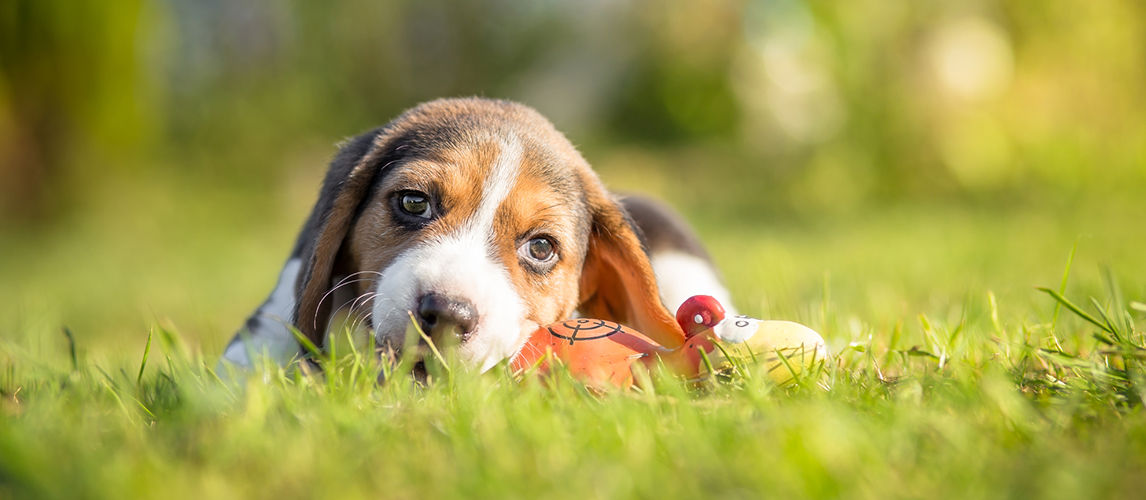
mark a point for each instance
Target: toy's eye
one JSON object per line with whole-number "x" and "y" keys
{"x": 416, "y": 204}
{"x": 540, "y": 249}
{"x": 698, "y": 319}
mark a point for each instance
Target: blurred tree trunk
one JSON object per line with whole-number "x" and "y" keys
{"x": 32, "y": 101}
{"x": 22, "y": 173}
{"x": 29, "y": 142}
{"x": 54, "y": 71}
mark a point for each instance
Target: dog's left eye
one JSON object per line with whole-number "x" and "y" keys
{"x": 416, "y": 204}
{"x": 539, "y": 250}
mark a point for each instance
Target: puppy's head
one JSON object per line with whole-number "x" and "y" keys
{"x": 481, "y": 220}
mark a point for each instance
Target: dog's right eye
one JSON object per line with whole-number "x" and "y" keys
{"x": 416, "y": 204}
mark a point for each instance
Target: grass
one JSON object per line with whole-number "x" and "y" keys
{"x": 952, "y": 376}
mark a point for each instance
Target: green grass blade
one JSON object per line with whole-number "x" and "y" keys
{"x": 306, "y": 343}
{"x": 1082, "y": 314}
{"x": 172, "y": 343}
{"x": 106, "y": 375}
{"x": 1105, "y": 317}
{"x": 1104, "y": 339}
{"x": 146, "y": 352}
{"x": 1062, "y": 287}
{"x": 708, "y": 362}
{"x": 915, "y": 351}
{"x": 995, "y": 313}
{"x": 145, "y": 409}
{"x": 433, "y": 348}
{"x": 72, "y": 348}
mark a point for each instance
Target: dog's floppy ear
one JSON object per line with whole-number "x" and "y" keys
{"x": 344, "y": 189}
{"x": 617, "y": 280}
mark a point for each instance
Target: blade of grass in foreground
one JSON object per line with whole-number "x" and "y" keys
{"x": 306, "y": 343}
{"x": 1062, "y": 287}
{"x": 72, "y": 348}
{"x": 1082, "y": 314}
{"x": 1106, "y": 317}
{"x": 143, "y": 364}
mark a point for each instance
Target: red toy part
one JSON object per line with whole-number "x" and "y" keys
{"x": 699, "y": 313}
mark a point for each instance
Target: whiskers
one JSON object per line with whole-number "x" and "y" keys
{"x": 350, "y": 279}
{"x": 357, "y": 308}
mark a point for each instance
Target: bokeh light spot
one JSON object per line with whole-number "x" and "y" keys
{"x": 972, "y": 58}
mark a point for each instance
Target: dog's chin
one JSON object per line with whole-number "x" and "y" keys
{"x": 482, "y": 350}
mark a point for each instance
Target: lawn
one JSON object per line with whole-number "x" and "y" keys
{"x": 950, "y": 192}
{"x": 952, "y": 375}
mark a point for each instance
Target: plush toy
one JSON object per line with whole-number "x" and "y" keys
{"x": 592, "y": 349}
{"x": 601, "y": 351}
{"x": 751, "y": 340}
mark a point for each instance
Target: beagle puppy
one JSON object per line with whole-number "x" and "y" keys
{"x": 483, "y": 222}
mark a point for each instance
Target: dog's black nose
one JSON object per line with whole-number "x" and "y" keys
{"x": 446, "y": 319}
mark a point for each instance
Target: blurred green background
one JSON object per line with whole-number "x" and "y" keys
{"x": 157, "y": 157}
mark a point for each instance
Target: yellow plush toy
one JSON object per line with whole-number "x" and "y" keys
{"x": 751, "y": 340}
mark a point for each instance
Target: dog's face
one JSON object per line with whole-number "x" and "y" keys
{"x": 482, "y": 238}
{"x": 481, "y": 221}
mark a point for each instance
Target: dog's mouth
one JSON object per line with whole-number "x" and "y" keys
{"x": 418, "y": 362}
{"x": 426, "y": 373}
{"x": 419, "y": 372}
{"x": 480, "y": 351}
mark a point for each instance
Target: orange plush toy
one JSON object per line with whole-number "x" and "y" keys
{"x": 604, "y": 352}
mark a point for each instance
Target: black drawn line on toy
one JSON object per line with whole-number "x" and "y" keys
{"x": 572, "y": 325}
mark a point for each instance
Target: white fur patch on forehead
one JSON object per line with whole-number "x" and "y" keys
{"x": 502, "y": 177}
